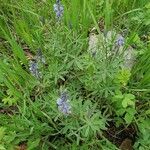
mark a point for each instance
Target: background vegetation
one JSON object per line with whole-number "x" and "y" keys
{"x": 108, "y": 104}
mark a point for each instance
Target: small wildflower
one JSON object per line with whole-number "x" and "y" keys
{"x": 63, "y": 104}
{"x": 58, "y": 9}
{"x": 33, "y": 67}
{"x": 120, "y": 41}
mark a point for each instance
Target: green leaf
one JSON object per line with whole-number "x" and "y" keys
{"x": 87, "y": 131}
{"x": 130, "y": 112}
{"x": 128, "y": 118}
{"x": 33, "y": 144}
{"x": 2, "y": 147}
{"x": 2, "y": 132}
{"x": 128, "y": 100}
{"x": 79, "y": 65}
{"x": 129, "y": 96}
{"x": 10, "y": 101}
{"x": 120, "y": 112}
{"x": 118, "y": 96}
{"x": 147, "y": 6}
{"x": 123, "y": 76}
{"x": 125, "y": 103}
{"x": 147, "y": 112}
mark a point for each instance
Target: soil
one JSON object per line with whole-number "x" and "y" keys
{"x": 8, "y": 110}
{"x": 22, "y": 146}
{"x": 123, "y": 137}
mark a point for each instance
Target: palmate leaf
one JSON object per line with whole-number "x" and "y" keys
{"x": 128, "y": 118}
{"x": 128, "y": 100}
{"x": 93, "y": 124}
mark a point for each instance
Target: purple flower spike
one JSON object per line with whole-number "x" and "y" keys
{"x": 58, "y": 9}
{"x": 63, "y": 104}
{"x": 33, "y": 67}
{"x": 120, "y": 41}
{"x": 34, "y": 64}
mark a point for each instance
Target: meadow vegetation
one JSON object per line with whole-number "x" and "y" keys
{"x": 55, "y": 93}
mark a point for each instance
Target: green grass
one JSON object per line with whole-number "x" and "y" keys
{"x": 100, "y": 92}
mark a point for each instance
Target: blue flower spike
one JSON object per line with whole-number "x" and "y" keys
{"x": 59, "y": 10}
{"x": 63, "y": 104}
{"x": 120, "y": 41}
{"x": 34, "y": 69}
{"x": 34, "y": 64}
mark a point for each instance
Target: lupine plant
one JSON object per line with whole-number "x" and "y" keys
{"x": 101, "y": 105}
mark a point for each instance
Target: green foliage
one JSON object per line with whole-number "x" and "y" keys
{"x": 124, "y": 105}
{"x": 123, "y": 77}
{"x": 99, "y": 90}
{"x": 144, "y": 136}
{"x": 86, "y": 122}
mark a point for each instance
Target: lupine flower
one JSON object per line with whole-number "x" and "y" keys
{"x": 120, "y": 41}
{"x": 33, "y": 67}
{"x": 63, "y": 104}
{"x": 39, "y": 56}
{"x": 34, "y": 64}
{"x": 58, "y": 9}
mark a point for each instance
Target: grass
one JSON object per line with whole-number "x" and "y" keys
{"x": 107, "y": 102}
